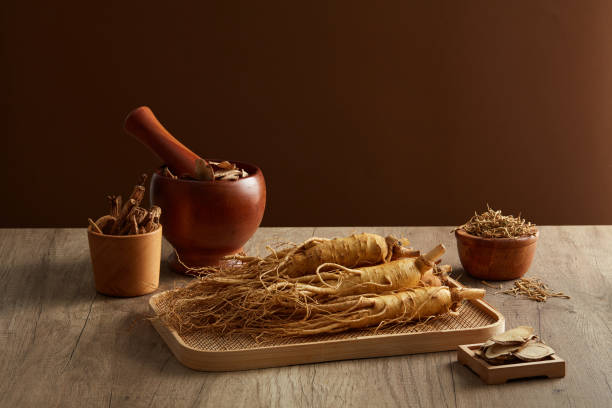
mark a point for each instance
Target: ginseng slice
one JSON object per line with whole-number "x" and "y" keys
{"x": 518, "y": 335}
{"x": 534, "y": 351}
{"x": 487, "y": 344}
{"x": 498, "y": 351}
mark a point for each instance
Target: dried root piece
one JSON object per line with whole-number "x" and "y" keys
{"x": 122, "y": 220}
{"x": 152, "y": 223}
{"x": 134, "y": 226}
{"x": 225, "y": 165}
{"x": 203, "y": 170}
{"x": 106, "y": 223}
{"x": 139, "y": 191}
{"x": 166, "y": 172}
{"x": 115, "y": 205}
{"x": 94, "y": 226}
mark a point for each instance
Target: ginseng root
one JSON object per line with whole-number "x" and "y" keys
{"x": 304, "y": 259}
{"x": 353, "y": 251}
{"x": 400, "y": 307}
{"x": 342, "y": 281}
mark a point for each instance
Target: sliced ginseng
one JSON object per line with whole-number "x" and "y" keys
{"x": 534, "y": 351}
{"x": 203, "y": 170}
{"x": 516, "y": 336}
{"x": 487, "y": 344}
{"x": 497, "y": 351}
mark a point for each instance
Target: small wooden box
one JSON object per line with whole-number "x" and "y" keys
{"x": 551, "y": 367}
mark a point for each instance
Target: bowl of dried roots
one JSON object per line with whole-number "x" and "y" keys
{"x": 494, "y": 246}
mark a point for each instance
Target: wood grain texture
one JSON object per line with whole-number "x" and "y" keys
{"x": 64, "y": 345}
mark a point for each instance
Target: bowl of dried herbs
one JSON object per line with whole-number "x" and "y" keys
{"x": 494, "y": 246}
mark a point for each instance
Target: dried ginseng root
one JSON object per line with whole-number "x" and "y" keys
{"x": 492, "y": 224}
{"x": 128, "y": 218}
{"x": 515, "y": 345}
{"x": 332, "y": 279}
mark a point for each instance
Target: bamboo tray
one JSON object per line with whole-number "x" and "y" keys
{"x": 476, "y": 322}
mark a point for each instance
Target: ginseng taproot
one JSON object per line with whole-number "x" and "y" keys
{"x": 343, "y": 281}
{"x": 355, "y": 250}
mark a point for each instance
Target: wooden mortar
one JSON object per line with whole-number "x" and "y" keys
{"x": 207, "y": 220}
{"x": 203, "y": 220}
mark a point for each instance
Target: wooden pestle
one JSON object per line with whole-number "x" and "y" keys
{"x": 144, "y": 126}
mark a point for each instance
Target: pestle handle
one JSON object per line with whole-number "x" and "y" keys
{"x": 144, "y": 126}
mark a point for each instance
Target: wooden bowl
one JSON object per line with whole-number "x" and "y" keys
{"x": 125, "y": 265}
{"x": 207, "y": 220}
{"x": 495, "y": 258}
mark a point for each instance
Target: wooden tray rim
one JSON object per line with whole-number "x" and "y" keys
{"x": 481, "y": 304}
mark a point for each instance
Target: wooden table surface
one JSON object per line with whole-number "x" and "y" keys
{"x": 62, "y": 344}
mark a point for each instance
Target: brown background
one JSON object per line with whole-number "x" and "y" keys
{"x": 359, "y": 113}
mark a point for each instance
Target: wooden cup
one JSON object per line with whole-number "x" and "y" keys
{"x": 125, "y": 265}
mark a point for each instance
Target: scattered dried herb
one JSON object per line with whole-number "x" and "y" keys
{"x": 490, "y": 285}
{"x": 492, "y": 224}
{"x": 533, "y": 289}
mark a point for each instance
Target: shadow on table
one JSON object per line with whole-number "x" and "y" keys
{"x": 137, "y": 342}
